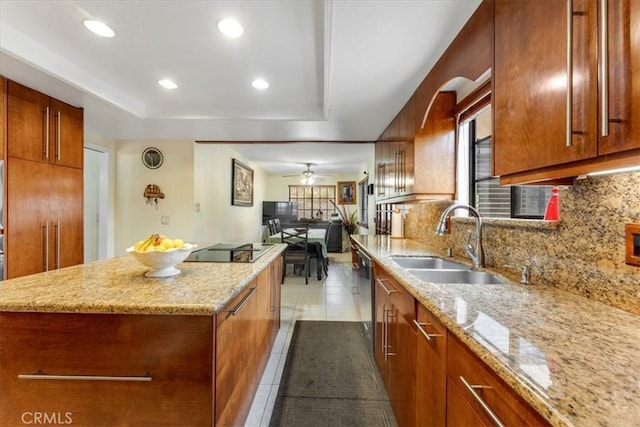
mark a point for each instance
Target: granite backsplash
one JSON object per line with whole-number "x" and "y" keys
{"x": 583, "y": 253}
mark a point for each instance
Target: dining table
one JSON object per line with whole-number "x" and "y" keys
{"x": 314, "y": 235}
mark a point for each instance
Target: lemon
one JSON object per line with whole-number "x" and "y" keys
{"x": 178, "y": 243}
{"x": 166, "y": 243}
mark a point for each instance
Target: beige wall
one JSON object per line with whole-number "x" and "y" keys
{"x": 217, "y": 220}
{"x": 583, "y": 253}
{"x": 134, "y": 218}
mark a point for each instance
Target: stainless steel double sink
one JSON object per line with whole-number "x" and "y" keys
{"x": 438, "y": 270}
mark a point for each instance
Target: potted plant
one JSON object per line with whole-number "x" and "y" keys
{"x": 349, "y": 220}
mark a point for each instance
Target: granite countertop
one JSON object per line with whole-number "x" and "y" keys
{"x": 118, "y": 285}
{"x": 575, "y": 360}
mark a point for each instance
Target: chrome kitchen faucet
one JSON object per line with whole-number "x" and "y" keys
{"x": 476, "y": 254}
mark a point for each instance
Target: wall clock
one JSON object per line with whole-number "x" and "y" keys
{"x": 152, "y": 157}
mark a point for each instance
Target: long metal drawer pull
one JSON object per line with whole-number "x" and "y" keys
{"x": 487, "y": 409}
{"x": 58, "y": 121}
{"x": 57, "y": 244}
{"x": 243, "y": 302}
{"x": 46, "y": 246}
{"x": 46, "y": 133}
{"x": 427, "y": 335}
{"x": 569, "y": 131}
{"x": 389, "y": 292}
{"x": 81, "y": 378}
{"x": 604, "y": 70}
{"x": 387, "y": 316}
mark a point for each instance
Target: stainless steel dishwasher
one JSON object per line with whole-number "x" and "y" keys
{"x": 364, "y": 293}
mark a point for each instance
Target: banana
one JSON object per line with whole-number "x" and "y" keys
{"x": 147, "y": 243}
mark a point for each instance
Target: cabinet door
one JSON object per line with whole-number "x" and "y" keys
{"x": 620, "y": 90}
{"x": 435, "y": 149}
{"x": 116, "y": 369}
{"x": 459, "y": 411}
{"x": 66, "y": 220}
{"x": 236, "y": 358}
{"x": 431, "y": 376}
{"x": 3, "y": 115}
{"x": 382, "y": 309}
{"x": 27, "y": 233}
{"x": 27, "y": 123}
{"x": 538, "y": 122}
{"x": 402, "y": 362}
{"x": 66, "y": 137}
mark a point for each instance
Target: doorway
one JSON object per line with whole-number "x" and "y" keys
{"x": 96, "y": 202}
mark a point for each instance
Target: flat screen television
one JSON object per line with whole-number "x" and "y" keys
{"x": 287, "y": 212}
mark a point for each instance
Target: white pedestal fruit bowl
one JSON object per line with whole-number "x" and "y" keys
{"x": 162, "y": 263}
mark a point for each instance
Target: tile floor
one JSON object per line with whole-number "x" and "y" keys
{"x": 327, "y": 299}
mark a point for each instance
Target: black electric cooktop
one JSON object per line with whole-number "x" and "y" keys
{"x": 229, "y": 252}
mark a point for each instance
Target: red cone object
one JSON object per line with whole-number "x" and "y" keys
{"x": 553, "y": 207}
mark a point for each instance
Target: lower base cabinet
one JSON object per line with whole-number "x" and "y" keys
{"x": 477, "y": 396}
{"x": 147, "y": 370}
{"x": 432, "y": 378}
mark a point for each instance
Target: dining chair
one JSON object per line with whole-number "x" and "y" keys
{"x": 297, "y": 251}
{"x": 272, "y": 227}
{"x": 277, "y": 225}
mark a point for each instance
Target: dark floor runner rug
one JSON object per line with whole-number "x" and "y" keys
{"x": 331, "y": 379}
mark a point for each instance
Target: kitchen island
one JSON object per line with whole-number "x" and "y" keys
{"x": 100, "y": 344}
{"x": 572, "y": 360}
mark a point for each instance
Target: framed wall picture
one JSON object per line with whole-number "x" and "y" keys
{"x": 241, "y": 184}
{"x": 347, "y": 193}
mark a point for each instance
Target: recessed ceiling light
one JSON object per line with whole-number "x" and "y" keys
{"x": 230, "y": 28}
{"x": 99, "y": 28}
{"x": 167, "y": 84}
{"x": 260, "y": 84}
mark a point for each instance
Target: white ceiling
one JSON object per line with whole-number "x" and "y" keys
{"x": 339, "y": 70}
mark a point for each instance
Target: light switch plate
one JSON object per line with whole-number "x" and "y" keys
{"x": 632, "y": 239}
{"x": 164, "y": 220}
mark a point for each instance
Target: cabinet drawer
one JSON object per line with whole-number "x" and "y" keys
{"x": 464, "y": 366}
{"x": 106, "y": 369}
{"x": 432, "y": 332}
{"x": 401, "y": 299}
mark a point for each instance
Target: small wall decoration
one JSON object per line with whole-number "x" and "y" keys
{"x": 152, "y": 193}
{"x": 347, "y": 192}
{"x": 241, "y": 184}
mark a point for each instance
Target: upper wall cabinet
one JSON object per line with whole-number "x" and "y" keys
{"x": 43, "y": 129}
{"x": 3, "y": 115}
{"x": 564, "y": 100}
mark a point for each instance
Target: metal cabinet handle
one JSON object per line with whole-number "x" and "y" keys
{"x": 40, "y": 376}
{"x": 274, "y": 287}
{"x": 427, "y": 335}
{"x": 46, "y": 247}
{"x": 237, "y": 308}
{"x": 58, "y": 121}
{"x": 604, "y": 67}
{"x": 485, "y": 406}
{"x": 57, "y": 244}
{"x": 46, "y": 133}
{"x": 389, "y": 292}
{"x": 569, "y": 130}
{"x": 388, "y": 314}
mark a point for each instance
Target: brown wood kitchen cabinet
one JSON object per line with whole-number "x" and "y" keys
{"x": 476, "y": 396}
{"x": 106, "y": 369}
{"x": 44, "y": 229}
{"x": 545, "y": 128}
{"x": 44, "y": 129}
{"x": 431, "y": 372}
{"x": 139, "y": 369}
{"x": 395, "y": 351}
{"x": 416, "y": 165}
{"x": 44, "y": 199}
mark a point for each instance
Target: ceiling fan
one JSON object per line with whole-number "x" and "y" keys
{"x": 308, "y": 176}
